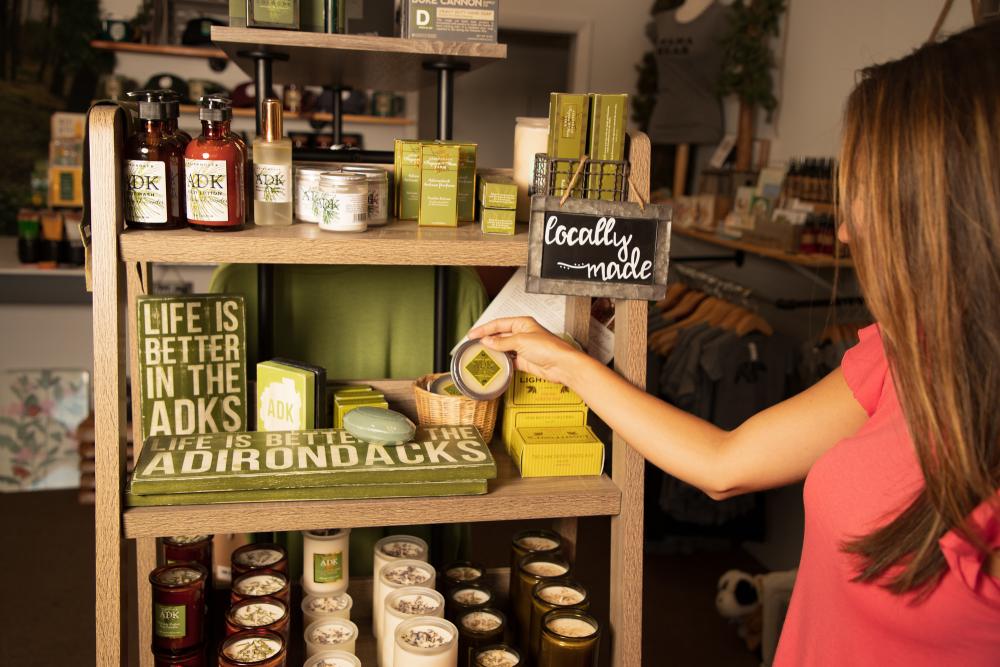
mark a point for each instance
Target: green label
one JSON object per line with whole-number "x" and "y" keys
{"x": 328, "y": 568}
{"x": 452, "y": 390}
{"x": 483, "y": 368}
{"x": 66, "y": 186}
{"x": 170, "y": 620}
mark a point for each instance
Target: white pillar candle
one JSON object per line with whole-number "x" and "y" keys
{"x": 399, "y": 574}
{"x": 400, "y": 605}
{"x": 333, "y": 659}
{"x": 531, "y": 135}
{"x": 325, "y": 560}
{"x": 330, "y": 634}
{"x": 393, "y": 547}
{"x": 426, "y": 642}
{"x": 318, "y": 607}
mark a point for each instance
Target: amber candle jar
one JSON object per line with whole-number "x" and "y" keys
{"x": 466, "y": 598}
{"x": 187, "y": 549}
{"x": 531, "y": 570}
{"x": 478, "y": 628}
{"x": 570, "y": 638}
{"x": 460, "y": 573}
{"x": 252, "y": 648}
{"x": 178, "y": 607}
{"x": 261, "y": 583}
{"x": 263, "y": 613}
{"x": 529, "y": 542}
{"x": 195, "y": 658}
{"x": 550, "y": 594}
{"x": 259, "y": 556}
{"x": 497, "y": 655}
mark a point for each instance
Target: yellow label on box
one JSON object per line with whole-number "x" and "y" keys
{"x": 557, "y": 451}
{"x": 528, "y": 389}
{"x": 539, "y": 416}
{"x": 341, "y": 406}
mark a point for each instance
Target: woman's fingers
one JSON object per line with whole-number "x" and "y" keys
{"x": 507, "y": 343}
{"x": 504, "y": 325}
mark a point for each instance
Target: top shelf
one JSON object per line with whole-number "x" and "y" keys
{"x": 358, "y": 61}
{"x": 811, "y": 261}
{"x": 159, "y": 49}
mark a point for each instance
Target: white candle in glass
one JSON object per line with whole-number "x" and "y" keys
{"x": 400, "y": 605}
{"x": 426, "y": 642}
{"x": 398, "y": 574}
{"x": 317, "y": 607}
{"x": 393, "y": 547}
{"x": 325, "y": 560}
{"x": 531, "y": 135}
{"x": 330, "y": 634}
{"x": 333, "y": 659}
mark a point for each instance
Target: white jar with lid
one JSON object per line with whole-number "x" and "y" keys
{"x": 531, "y": 135}
{"x": 306, "y": 191}
{"x": 343, "y": 202}
{"x": 378, "y": 192}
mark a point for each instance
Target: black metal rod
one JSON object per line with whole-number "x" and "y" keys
{"x": 338, "y": 116}
{"x": 265, "y": 312}
{"x": 262, "y": 86}
{"x": 446, "y": 100}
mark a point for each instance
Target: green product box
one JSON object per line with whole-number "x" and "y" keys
{"x": 498, "y": 221}
{"x": 608, "y": 115}
{"x": 439, "y": 185}
{"x": 286, "y": 397}
{"x": 407, "y": 182}
{"x": 559, "y": 451}
{"x": 497, "y": 192}
{"x": 568, "y": 116}
{"x": 467, "y": 182}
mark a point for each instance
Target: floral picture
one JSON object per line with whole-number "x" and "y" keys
{"x": 39, "y": 413}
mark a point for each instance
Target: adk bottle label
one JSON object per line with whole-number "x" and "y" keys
{"x": 328, "y": 568}
{"x": 207, "y": 190}
{"x": 146, "y": 185}
{"x": 170, "y": 620}
{"x": 271, "y": 183}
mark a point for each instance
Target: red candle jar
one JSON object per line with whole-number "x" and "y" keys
{"x": 264, "y": 613}
{"x": 178, "y": 606}
{"x": 215, "y": 171}
{"x": 187, "y": 549}
{"x": 259, "y": 556}
{"x": 252, "y": 648}
{"x": 195, "y": 658}
{"x": 261, "y": 583}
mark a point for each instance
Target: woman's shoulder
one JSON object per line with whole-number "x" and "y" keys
{"x": 866, "y": 368}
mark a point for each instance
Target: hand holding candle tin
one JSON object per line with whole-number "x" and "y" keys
{"x": 178, "y": 606}
{"x": 400, "y": 605}
{"x": 325, "y": 560}
{"x": 479, "y": 372}
{"x": 252, "y": 648}
{"x": 426, "y": 642}
{"x": 331, "y": 634}
{"x": 393, "y": 547}
{"x": 550, "y": 594}
{"x": 569, "y": 639}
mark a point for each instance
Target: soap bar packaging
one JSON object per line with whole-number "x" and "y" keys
{"x": 529, "y": 389}
{"x": 497, "y": 192}
{"x": 349, "y": 398}
{"x": 439, "y": 185}
{"x": 65, "y": 186}
{"x": 448, "y": 20}
{"x": 498, "y": 221}
{"x": 537, "y": 416}
{"x": 291, "y": 396}
{"x": 608, "y": 114}
{"x": 568, "y": 118}
{"x": 557, "y": 451}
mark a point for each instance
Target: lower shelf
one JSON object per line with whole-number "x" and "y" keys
{"x": 510, "y": 497}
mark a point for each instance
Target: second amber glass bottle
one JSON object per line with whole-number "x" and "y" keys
{"x": 215, "y": 171}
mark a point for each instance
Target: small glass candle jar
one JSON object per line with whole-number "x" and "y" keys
{"x": 426, "y": 642}
{"x": 550, "y": 594}
{"x": 570, "y": 638}
{"x": 478, "y": 628}
{"x": 497, "y": 655}
{"x": 325, "y": 560}
{"x": 378, "y": 192}
{"x": 467, "y": 598}
{"x": 333, "y": 659}
{"x": 307, "y": 193}
{"x": 256, "y": 648}
{"x": 401, "y": 605}
{"x": 261, "y": 583}
{"x": 399, "y": 574}
{"x": 318, "y": 607}
{"x": 461, "y": 573}
{"x": 263, "y": 613}
{"x": 331, "y": 634}
{"x": 343, "y": 202}
{"x": 393, "y": 547}
{"x": 194, "y": 658}
{"x": 178, "y": 606}
{"x": 259, "y": 556}
{"x": 529, "y": 542}
{"x": 533, "y": 569}
{"x": 187, "y": 549}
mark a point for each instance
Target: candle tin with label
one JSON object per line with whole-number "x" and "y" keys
{"x": 467, "y": 597}
{"x": 550, "y": 594}
{"x": 252, "y": 648}
{"x": 316, "y": 607}
{"x": 265, "y": 613}
{"x": 570, "y": 638}
{"x": 531, "y": 570}
{"x": 344, "y": 202}
{"x": 330, "y": 634}
{"x": 479, "y": 372}
{"x": 497, "y": 655}
{"x": 261, "y": 583}
{"x": 400, "y": 605}
{"x": 259, "y": 556}
{"x": 178, "y": 606}
{"x": 478, "y": 628}
{"x": 378, "y": 192}
{"x": 426, "y": 642}
{"x": 325, "y": 566}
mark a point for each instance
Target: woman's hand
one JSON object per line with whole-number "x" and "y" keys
{"x": 538, "y": 350}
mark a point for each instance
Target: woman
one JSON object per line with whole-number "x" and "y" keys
{"x": 900, "y": 447}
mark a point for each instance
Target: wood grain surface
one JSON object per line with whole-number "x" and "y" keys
{"x": 811, "y": 261}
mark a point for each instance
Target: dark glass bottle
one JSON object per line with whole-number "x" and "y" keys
{"x": 215, "y": 171}
{"x": 154, "y": 169}
{"x": 570, "y": 638}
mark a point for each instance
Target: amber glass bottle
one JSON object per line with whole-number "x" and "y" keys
{"x": 215, "y": 171}
{"x": 154, "y": 169}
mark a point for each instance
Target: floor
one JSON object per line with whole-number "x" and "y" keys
{"x": 49, "y": 594}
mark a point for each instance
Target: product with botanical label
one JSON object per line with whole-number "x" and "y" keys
{"x": 291, "y": 396}
{"x": 439, "y": 185}
{"x": 272, "y": 170}
{"x": 154, "y": 169}
{"x": 608, "y": 115}
{"x": 178, "y": 606}
{"x": 568, "y": 116}
{"x": 325, "y": 560}
{"x": 214, "y": 171}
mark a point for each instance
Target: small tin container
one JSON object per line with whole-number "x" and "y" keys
{"x": 479, "y": 372}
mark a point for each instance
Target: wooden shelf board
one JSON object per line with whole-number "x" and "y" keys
{"x": 249, "y": 112}
{"x": 813, "y": 261}
{"x": 398, "y": 243}
{"x": 159, "y": 49}
{"x": 510, "y": 497}
{"x": 359, "y": 61}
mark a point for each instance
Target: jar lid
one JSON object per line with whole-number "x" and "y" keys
{"x": 479, "y": 372}
{"x": 179, "y": 575}
{"x": 532, "y": 121}
{"x": 373, "y": 173}
{"x": 340, "y": 178}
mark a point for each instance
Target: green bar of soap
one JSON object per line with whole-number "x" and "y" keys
{"x": 379, "y": 426}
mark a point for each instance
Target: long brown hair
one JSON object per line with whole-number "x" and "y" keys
{"x": 920, "y": 193}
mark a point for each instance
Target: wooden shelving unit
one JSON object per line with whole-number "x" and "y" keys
{"x": 811, "y": 261}
{"x": 159, "y": 49}
{"x": 118, "y": 279}
{"x": 322, "y": 116}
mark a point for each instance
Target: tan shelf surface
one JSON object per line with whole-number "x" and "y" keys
{"x": 322, "y": 116}
{"x": 813, "y": 261}
{"x": 398, "y": 243}
{"x": 159, "y": 49}
{"x": 510, "y": 497}
{"x": 360, "y": 61}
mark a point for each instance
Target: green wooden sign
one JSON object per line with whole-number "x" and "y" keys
{"x": 192, "y": 375}
{"x": 305, "y": 459}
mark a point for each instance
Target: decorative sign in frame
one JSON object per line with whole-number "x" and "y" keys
{"x": 592, "y": 247}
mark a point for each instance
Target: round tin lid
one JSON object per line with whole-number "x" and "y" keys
{"x": 479, "y": 372}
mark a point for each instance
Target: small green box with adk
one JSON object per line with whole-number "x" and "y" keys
{"x": 498, "y": 220}
{"x": 497, "y": 192}
{"x": 439, "y": 185}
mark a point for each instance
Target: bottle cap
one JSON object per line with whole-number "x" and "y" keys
{"x": 215, "y": 108}
{"x": 151, "y": 105}
{"x": 171, "y": 101}
{"x": 271, "y": 128}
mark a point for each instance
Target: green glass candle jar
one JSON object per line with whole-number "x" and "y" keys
{"x": 497, "y": 655}
{"x": 529, "y": 542}
{"x": 460, "y": 573}
{"x": 548, "y": 595}
{"x": 466, "y": 598}
{"x": 570, "y": 638}
{"x": 478, "y": 628}
{"x": 531, "y": 570}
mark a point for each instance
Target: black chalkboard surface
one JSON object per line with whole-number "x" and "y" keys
{"x": 598, "y": 248}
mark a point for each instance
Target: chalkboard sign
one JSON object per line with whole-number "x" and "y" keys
{"x": 598, "y": 248}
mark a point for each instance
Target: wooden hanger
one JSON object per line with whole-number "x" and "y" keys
{"x": 753, "y": 322}
{"x": 674, "y": 294}
{"x": 686, "y": 305}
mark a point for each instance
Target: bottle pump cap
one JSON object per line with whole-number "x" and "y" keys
{"x": 215, "y": 108}
{"x": 271, "y": 120}
{"x": 171, "y": 101}
{"x": 151, "y": 105}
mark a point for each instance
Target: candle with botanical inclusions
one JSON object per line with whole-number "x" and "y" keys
{"x": 178, "y": 606}
{"x": 467, "y": 598}
{"x": 188, "y": 549}
{"x": 570, "y": 638}
{"x": 252, "y": 648}
{"x": 325, "y": 560}
{"x": 476, "y": 629}
{"x": 497, "y": 655}
{"x": 259, "y": 556}
{"x": 548, "y": 595}
{"x": 261, "y": 583}
{"x": 460, "y": 573}
{"x": 400, "y": 574}
{"x": 331, "y": 634}
{"x": 317, "y": 607}
{"x": 264, "y": 613}
{"x": 533, "y": 569}
{"x": 333, "y": 659}
{"x": 529, "y": 542}
{"x": 426, "y": 642}
{"x": 401, "y": 605}
{"x": 393, "y": 547}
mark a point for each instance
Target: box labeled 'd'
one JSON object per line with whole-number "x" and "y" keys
{"x": 557, "y": 451}
{"x": 465, "y": 21}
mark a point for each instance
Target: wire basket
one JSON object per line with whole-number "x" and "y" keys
{"x": 600, "y": 179}
{"x": 440, "y": 410}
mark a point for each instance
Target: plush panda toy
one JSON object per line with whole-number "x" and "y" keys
{"x": 738, "y": 599}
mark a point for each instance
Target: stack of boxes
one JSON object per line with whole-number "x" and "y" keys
{"x": 592, "y": 125}
{"x": 66, "y": 160}
{"x": 346, "y": 399}
{"x": 498, "y": 204}
{"x": 435, "y": 182}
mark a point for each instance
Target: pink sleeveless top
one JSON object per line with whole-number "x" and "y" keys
{"x": 860, "y": 484}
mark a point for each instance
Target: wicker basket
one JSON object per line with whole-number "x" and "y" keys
{"x": 440, "y": 410}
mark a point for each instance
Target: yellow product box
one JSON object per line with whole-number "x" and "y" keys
{"x": 65, "y": 186}
{"x": 557, "y": 451}
{"x": 528, "y": 389}
{"x": 498, "y": 221}
{"x": 341, "y": 406}
{"x": 540, "y": 416}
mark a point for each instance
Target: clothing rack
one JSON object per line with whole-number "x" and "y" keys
{"x": 744, "y": 296}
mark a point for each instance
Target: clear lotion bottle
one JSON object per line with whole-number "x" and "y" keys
{"x": 272, "y": 170}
